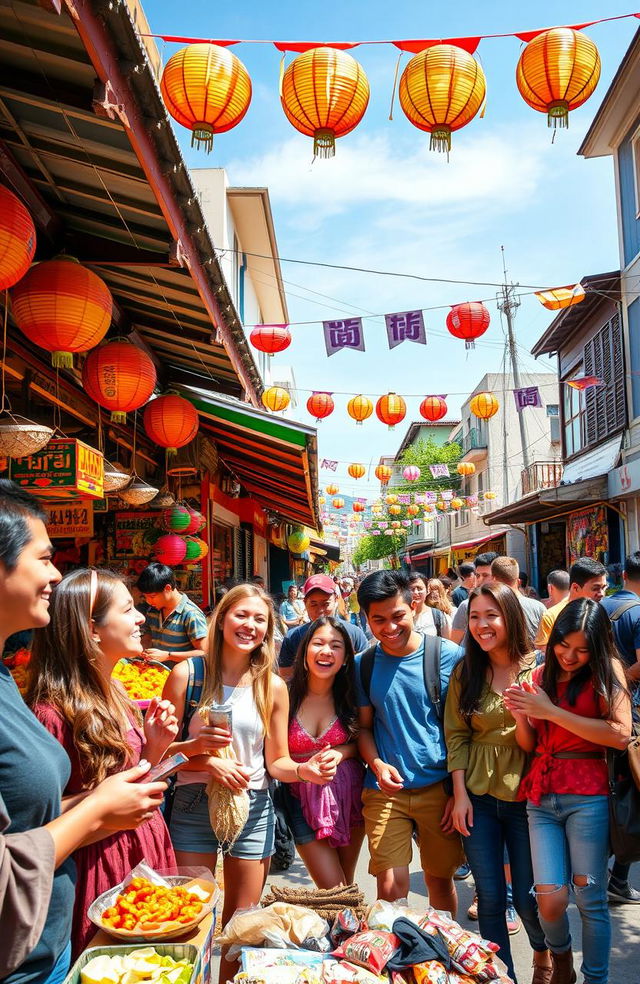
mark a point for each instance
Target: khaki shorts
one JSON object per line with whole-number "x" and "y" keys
{"x": 390, "y": 820}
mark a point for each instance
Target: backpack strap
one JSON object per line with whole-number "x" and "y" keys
{"x": 366, "y": 669}
{"x": 431, "y": 671}
{"x": 621, "y": 609}
{"x": 193, "y": 693}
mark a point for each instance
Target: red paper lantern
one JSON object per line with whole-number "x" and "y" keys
{"x": 198, "y": 521}
{"x": 433, "y": 408}
{"x": 170, "y": 549}
{"x": 120, "y": 377}
{"x": 358, "y": 507}
{"x": 391, "y": 409}
{"x": 17, "y": 239}
{"x": 170, "y": 422}
{"x": 63, "y": 307}
{"x": 320, "y": 405}
{"x": 270, "y": 338}
{"x": 468, "y": 321}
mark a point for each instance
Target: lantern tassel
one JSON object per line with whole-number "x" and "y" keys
{"x": 469, "y": 343}
{"x": 62, "y": 360}
{"x": 202, "y": 136}
{"x": 441, "y": 140}
{"x": 324, "y": 143}
{"x": 118, "y": 417}
{"x": 558, "y": 114}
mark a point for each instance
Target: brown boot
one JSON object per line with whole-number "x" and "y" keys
{"x": 541, "y": 975}
{"x": 563, "y": 972}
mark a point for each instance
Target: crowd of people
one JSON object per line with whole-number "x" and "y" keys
{"x": 468, "y": 719}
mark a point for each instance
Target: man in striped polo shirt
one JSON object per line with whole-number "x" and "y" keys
{"x": 176, "y": 628}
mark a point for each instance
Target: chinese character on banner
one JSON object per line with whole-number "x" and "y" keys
{"x": 343, "y": 334}
{"x": 404, "y": 500}
{"x": 430, "y": 496}
{"x": 405, "y": 326}
{"x": 331, "y": 465}
{"x": 528, "y": 396}
{"x": 439, "y": 471}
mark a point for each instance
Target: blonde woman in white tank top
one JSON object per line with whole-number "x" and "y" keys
{"x": 237, "y": 671}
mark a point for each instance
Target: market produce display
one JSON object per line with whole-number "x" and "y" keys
{"x": 142, "y": 681}
{"x": 142, "y": 908}
{"x": 144, "y": 965}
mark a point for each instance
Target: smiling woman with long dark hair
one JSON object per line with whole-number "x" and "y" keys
{"x": 323, "y": 714}
{"x": 487, "y": 765}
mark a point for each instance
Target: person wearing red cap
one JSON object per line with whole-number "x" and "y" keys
{"x": 320, "y": 598}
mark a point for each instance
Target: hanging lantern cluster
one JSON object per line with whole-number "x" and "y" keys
{"x": 468, "y": 321}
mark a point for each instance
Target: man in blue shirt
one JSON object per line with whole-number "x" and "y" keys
{"x": 402, "y": 742}
{"x": 467, "y": 574}
{"x": 623, "y": 608}
{"x": 320, "y": 598}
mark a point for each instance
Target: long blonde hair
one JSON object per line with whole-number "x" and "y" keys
{"x": 64, "y": 673}
{"x": 443, "y": 602}
{"x": 262, "y": 659}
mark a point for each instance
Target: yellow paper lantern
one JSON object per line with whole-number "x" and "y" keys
{"x": 356, "y": 470}
{"x": 338, "y": 503}
{"x": 441, "y": 90}
{"x": 395, "y": 510}
{"x": 465, "y": 468}
{"x": 275, "y": 398}
{"x": 332, "y": 489}
{"x": 324, "y": 95}
{"x": 456, "y": 504}
{"x": 359, "y": 408}
{"x": 557, "y": 72}
{"x": 484, "y": 405}
{"x": 391, "y": 498}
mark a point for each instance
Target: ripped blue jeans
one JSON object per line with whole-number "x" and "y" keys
{"x": 569, "y": 837}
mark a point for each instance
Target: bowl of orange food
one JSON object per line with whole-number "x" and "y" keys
{"x": 142, "y": 910}
{"x": 142, "y": 679}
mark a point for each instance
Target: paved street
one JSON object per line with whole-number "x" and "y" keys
{"x": 625, "y": 920}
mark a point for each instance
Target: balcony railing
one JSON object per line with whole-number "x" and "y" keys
{"x": 473, "y": 440}
{"x": 541, "y": 475}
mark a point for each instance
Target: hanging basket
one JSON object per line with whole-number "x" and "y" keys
{"x": 20, "y": 437}
{"x": 139, "y": 492}
{"x": 115, "y": 477}
{"x": 163, "y": 500}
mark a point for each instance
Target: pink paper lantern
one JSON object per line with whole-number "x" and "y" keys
{"x": 170, "y": 549}
{"x": 411, "y": 473}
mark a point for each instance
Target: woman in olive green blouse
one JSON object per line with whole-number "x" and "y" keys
{"x": 487, "y": 764}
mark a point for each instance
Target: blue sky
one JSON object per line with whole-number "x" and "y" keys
{"x": 386, "y": 202}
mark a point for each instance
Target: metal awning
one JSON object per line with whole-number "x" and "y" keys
{"x": 599, "y": 461}
{"x": 457, "y": 546}
{"x": 274, "y": 459}
{"x": 329, "y": 550}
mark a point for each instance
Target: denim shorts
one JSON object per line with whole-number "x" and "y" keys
{"x": 191, "y": 831}
{"x": 302, "y": 832}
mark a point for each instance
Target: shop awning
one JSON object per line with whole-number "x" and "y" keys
{"x": 274, "y": 459}
{"x": 550, "y": 503}
{"x": 456, "y": 546}
{"x": 600, "y": 461}
{"x": 329, "y": 550}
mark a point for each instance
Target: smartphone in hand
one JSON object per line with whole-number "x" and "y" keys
{"x": 165, "y": 768}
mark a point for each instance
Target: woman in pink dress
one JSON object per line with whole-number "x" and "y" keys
{"x": 93, "y": 625}
{"x": 326, "y": 821}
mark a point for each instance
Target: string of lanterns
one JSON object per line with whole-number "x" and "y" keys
{"x": 324, "y": 91}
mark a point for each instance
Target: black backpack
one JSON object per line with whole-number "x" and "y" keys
{"x": 430, "y": 669}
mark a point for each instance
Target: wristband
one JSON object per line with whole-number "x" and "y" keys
{"x": 300, "y": 779}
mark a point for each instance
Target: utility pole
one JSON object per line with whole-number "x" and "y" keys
{"x": 508, "y": 302}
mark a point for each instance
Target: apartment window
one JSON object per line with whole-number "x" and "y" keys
{"x": 605, "y": 406}
{"x": 573, "y": 414}
{"x": 553, "y": 413}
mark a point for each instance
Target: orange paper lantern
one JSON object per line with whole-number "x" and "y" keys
{"x": 433, "y": 408}
{"x": 484, "y": 405}
{"x": 270, "y": 338}
{"x": 359, "y": 408}
{"x": 170, "y": 422}
{"x": 324, "y": 94}
{"x": 206, "y": 89}
{"x": 391, "y": 409}
{"x": 441, "y": 90}
{"x": 465, "y": 468}
{"x": 63, "y": 307}
{"x": 275, "y": 398}
{"x": 120, "y": 377}
{"x": 17, "y": 239}
{"x": 358, "y": 507}
{"x": 383, "y": 473}
{"x": 320, "y": 405}
{"x": 413, "y": 510}
{"x": 356, "y": 470}
{"x": 332, "y": 489}
{"x": 338, "y": 503}
{"x": 557, "y": 72}
{"x": 391, "y": 499}
{"x": 395, "y": 510}
{"x": 457, "y": 504}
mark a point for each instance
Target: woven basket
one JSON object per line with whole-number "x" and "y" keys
{"x": 20, "y": 437}
{"x": 138, "y": 493}
{"x": 163, "y": 500}
{"x": 115, "y": 477}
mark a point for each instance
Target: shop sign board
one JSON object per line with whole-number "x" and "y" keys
{"x": 70, "y": 520}
{"x": 130, "y": 528}
{"x": 624, "y": 480}
{"x": 64, "y": 468}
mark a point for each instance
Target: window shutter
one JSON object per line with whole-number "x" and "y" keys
{"x": 605, "y": 406}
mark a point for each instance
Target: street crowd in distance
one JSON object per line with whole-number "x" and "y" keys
{"x": 458, "y": 716}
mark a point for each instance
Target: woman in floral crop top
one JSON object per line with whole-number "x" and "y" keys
{"x": 576, "y": 707}
{"x": 327, "y": 823}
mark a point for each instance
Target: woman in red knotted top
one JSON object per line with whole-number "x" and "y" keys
{"x": 576, "y": 707}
